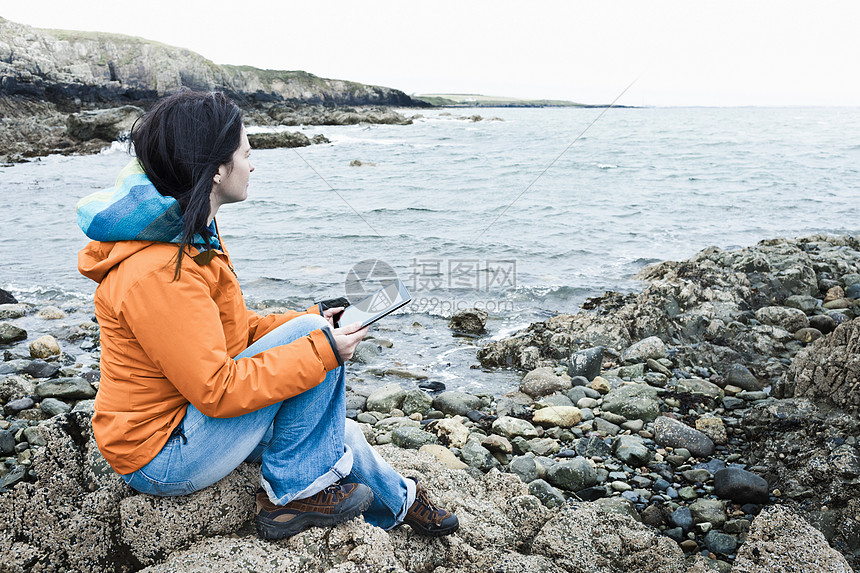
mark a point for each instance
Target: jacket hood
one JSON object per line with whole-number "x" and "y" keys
{"x": 134, "y": 210}
{"x": 98, "y": 258}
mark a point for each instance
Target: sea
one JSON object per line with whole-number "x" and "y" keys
{"x": 521, "y": 212}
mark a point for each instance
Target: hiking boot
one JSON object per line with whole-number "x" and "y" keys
{"x": 427, "y": 519}
{"x": 335, "y": 504}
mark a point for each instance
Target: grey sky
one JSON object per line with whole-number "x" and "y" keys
{"x": 683, "y": 52}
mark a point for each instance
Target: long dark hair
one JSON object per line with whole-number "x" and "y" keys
{"x": 180, "y": 144}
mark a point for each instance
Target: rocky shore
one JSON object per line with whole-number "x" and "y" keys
{"x": 72, "y": 92}
{"x": 706, "y": 423}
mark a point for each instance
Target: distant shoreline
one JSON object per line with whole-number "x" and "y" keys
{"x": 478, "y": 100}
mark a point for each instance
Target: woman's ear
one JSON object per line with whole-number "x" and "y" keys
{"x": 216, "y": 179}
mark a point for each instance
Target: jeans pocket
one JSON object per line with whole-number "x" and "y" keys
{"x": 144, "y": 484}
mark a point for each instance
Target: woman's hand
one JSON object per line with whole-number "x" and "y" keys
{"x": 346, "y": 338}
{"x": 330, "y": 313}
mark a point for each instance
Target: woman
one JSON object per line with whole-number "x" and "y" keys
{"x": 193, "y": 383}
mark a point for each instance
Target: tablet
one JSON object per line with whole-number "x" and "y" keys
{"x": 370, "y": 309}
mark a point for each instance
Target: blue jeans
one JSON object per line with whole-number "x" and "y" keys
{"x": 304, "y": 444}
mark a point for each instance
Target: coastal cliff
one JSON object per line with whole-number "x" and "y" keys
{"x": 48, "y": 75}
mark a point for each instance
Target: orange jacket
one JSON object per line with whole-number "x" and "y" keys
{"x": 166, "y": 343}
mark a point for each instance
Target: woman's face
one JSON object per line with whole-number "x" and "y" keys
{"x": 233, "y": 186}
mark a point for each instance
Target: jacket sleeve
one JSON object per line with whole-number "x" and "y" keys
{"x": 178, "y": 326}
{"x": 259, "y": 326}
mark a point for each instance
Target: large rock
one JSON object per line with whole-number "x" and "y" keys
{"x": 386, "y": 398}
{"x": 278, "y": 139}
{"x": 44, "y": 347}
{"x": 676, "y": 434}
{"x": 470, "y": 321}
{"x": 740, "y": 486}
{"x": 456, "y": 403}
{"x": 634, "y": 402}
{"x": 780, "y": 541}
{"x": 9, "y": 333}
{"x": 828, "y": 371}
{"x": 791, "y": 319}
{"x": 561, "y": 416}
{"x": 511, "y": 427}
{"x": 543, "y": 382}
{"x": 572, "y": 475}
{"x": 106, "y": 124}
{"x": 586, "y": 363}
{"x": 66, "y": 389}
{"x": 651, "y": 347}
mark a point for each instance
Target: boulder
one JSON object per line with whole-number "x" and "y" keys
{"x": 781, "y": 541}
{"x": 44, "y": 347}
{"x": 278, "y": 139}
{"x": 790, "y": 319}
{"x": 673, "y": 433}
{"x": 9, "y": 333}
{"x": 470, "y": 321}
{"x": 828, "y": 370}
{"x": 105, "y": 124}
{"x": 634, "y": 402}
{"x": 543, "y": 382}
{"x": 456, "y": 403}
{"x": 586, "y": 363}
{"x": 648, "y": 348}
{"x": 386, "y": 398}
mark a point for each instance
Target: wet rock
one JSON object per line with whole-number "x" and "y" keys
{"x": 651, "y": 348}
{"x": 13, "y": 387}
{"x": 44, "y": 347}
{"x": 366, "y": 352}
{"x": 543, "y": 382}
{"x": 50, "y": 313}
{"x": 807, "y": 335}
{"x": 586, "y": 363}
{"x": 9, "y": 333}
{"x": 66, "y": 389}
{"x": 606, "y": 427}
{"x": 676, "y": 434}
{"x": 572, "y": 475}
{"x": 560, "y": 416}
{"x": 634, "y": 402}
{"x": 456, "y": 403}
{"x": 781, "y": 541}
{"x": 8, "y": 311}
{"x": 740, "y": 486}
{"x": 805, "y": 303}
{"x": 279, "y": 139}
{"x": 386, "y": 398}
{"x": 6, "y": 297}
{"x": 699, "y": 387}
{"x": 15, "y": 406}
{"x": 41, "y": 369}
{"x": 7, "y": 443}
{"x": 471, "y": 321}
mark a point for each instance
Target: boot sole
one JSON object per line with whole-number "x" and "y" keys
{"x": 270, "y": 529}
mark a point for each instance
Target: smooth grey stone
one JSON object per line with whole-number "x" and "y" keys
{"x": 676, "y": 534}
{"x": 412, "y": 438}
{"x": 853, "y": 291}
{"x": 10, "y": 333}
{"x": 66, "y": 388}
{"x": 696, "y": 476}
{"x": 14, "y": 406}
{"x": 740, "y": 376}
{"x": 633, "y": 401}
{"x": 52, "y": 406}
{"x": 606, "y": 427}
{"x": 593, "y": 447}
{"x": 682, "y": 518}
{"x": 355, "y": 402}
{"x": 7, "y": 443}
{"x": 366, "y": 352}
{"x": 456, "y": 403}
{"x": 732, "y": 403}
{"x": 740, "y": 486}
{"x": 572, "y": 475}
{"x": 477, "y": 456}
{"x": 576, "y": 394}
{"x": 511, "y": 427}
{"x": 676, "y": 434}
{"x": 416, "y": 401}
{"x": 578, "y": 381}
{"x": 613, "y": 418}
{"x": 708, "y": 510}
{"x": 16, "y": 475}
{"x": 647, "y": 348}
{"x": 386, "y": 398}
{"x": 524, "y": 467}
{"x": 555, "y": 400}
{"x": 586, "y": 363}
{"x": 32, "y": 436}
{"x": 40, "y": 369}
{"x": 721, "y": 543}
{"x": 632, "y": 371}
{"x": 631, "y": 451}
{"x": 823, "y": 323}
{"x": 548, "y": 495}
